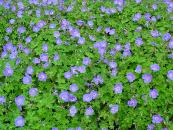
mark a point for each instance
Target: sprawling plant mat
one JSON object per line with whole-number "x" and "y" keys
{"x": 86, "y": 65}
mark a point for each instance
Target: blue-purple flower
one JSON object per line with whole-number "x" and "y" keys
{"x": 118, "y": 88}
{"x": 157, "y": 119}
{"x": 18, "y": 61}
{"x": 166, "y": 36}
{"x": 147, "y": 17}
{"x": 68, "y": 75}
{"x": 138, "y": 69}
{"x": 54, "y": 128}
{"x": 12, "y": 21}
{"x": 69, "y": 8}
{"x": 94, "y": 94}
{"x": 155, "y": 33}
{"x": 45, "y": 65}
{"x": 113, "y": 52}
{"x": 9, "y": 30}
{"x": 150, "y": 127}
{"x": 26, "y": 51}
{"x": 137, "y": 17}
{"x": 103, "y": 129}
{"x": 58, "y": 41}
{"x": 101, "y": 46}
{"x": 8, "y": 47}
{"x": 80, "y": 22}
{"x": 56, "y": 57}
{"x": 138, "y": 29}
{"x": 110, "y": 31}
{"x": 27, "y": 79}
{"x": 4, "y": 54}
{"x": 19, "y": 100}
{"x": 155, "y": 67}
{"x": 90, "y": 23}
{"x": 56, "y": 34}
{"x": 45, "y": 47}
{"x": 74, "y": 32}
{"x": 28, "y": 39}
{"x": 6, "y": 38}
{"x": 138, "y": 1}
{"x": 147, "y": 78}
{"x": 2, "y": 100}
{"x": 29, "y": 70}
{"x": 19, "y": 121}
{"x": 170, "y": 74}
{"x": 86, "y": 61}
{"x": 73, "y": 87}
{"x": 52, "y": 25}
{"x": 64, "y": 95}
{"x": 114, "y": 108}
{"x": 73, "y": 110}
{"x": 72, "y": 98}
{"x": 38, "y": 13}
{"x": 114, "y": 72}
{"x": 65, "y": 24}
{"x": 21, "y": 29}
{"x": 139, "y": 41}
{"x": 119, "y": 2}
{"x": 170, "y": 45}
{"x": 44, "y": 57}
{"x": 78, "y": 128}
{"x": 8, "y": 71}
{"x": 87, "y": 97}
{"x": 126, "y": 53}
{"x": 41, "y": 24}
{"x": 153, "y": 19}
{"x": 92, "y": 38}
{"x": 99, "y": 29}
{"x": 127, "y": 46}
{"x": 81, "y": 40}
{"x": 33, "y": 92}
{"x": 89, "y": 111}
{"x": 36, "y": 29}
{"x": 81, "y": 69}
{"x": 97, "y": 80}
{"x": 107, "y": 30}
{"x": 153, "y": 93}
{"x": 154, "y": 6}
{"x": 36, "y": 61}
{"x": 118, "y": 47}
{"x": 130, "y": 77}
{"x": 153, "y": 43}
{"x": 132, "y": 103}
{"x": 42, "y": 76}
{"x": 112, "y": 65}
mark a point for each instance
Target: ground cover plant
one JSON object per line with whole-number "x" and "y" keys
{"x": 86, "y": 65}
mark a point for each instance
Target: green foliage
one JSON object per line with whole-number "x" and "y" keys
{"x": 47, "y": 110}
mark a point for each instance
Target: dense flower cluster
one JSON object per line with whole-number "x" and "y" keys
{"x": 94, "y": 65}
